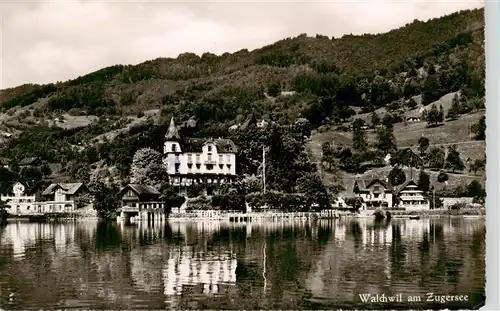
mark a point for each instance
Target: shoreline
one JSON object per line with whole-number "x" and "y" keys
{"x": 257, "y": 216}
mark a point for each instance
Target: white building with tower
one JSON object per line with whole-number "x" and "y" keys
{"x": 194, "y": 160}
{"x": 19, "y": 201}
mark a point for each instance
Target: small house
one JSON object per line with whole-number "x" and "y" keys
{"x": 410, "y": 197}
{"x": 141, "y": 201}
{"x": 375, "y": 193}
{"x": 60, "y": 197}
{"x": 140, "y": 196}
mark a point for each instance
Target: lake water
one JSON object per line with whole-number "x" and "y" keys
{"x": 215, "y": 265}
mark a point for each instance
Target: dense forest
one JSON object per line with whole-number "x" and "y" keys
{"x": 297, "y": 84}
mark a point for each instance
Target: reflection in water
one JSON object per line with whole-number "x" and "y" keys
{"x": 217, "y": 265}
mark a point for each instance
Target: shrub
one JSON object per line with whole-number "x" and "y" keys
{"x": 287, "y": 202}
{"x": 226, "y": 202}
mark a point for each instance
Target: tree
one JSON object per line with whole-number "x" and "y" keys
{"x": 412, "y": 103}
{"x": 479, "y": 129}
{"x": 424, "y": 181}
{"x": 442, "y": 177}
{"x": 423, "y": 144}
{"x": 328, "y": 156}
{"x": 3, "y": 211}
{"x": 147, "y": 168}
{"x": 46, "y": 171}
{"x": 310, "y": 185}
{"x": 375, "y": 119}
{"x": 397, "y": 176}
{"x": 106, "y": 200}
{"x": 475, "y": 190}
{"x": 453, "y": 160}
{"x": 477, "y": 165}
{"x": 31, "y": 174}
{"x": 454, "y": 111}
{"x": 359, "y": 135}
{"x": 434, "y": 116}
{"x": 436, "y": 158}
{"x": 386, "y": 140}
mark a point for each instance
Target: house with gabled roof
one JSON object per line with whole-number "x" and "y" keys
{"x": 410, "y": 197}
{"x": 374, "y": 192}
{"x": 60, "y": 197}
{"x": 193, "y": 160}
{"x": 31, "y": 161}
{"x": 143, "y": 201}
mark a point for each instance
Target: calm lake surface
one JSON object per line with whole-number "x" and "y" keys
{"x": 216, "y": 265}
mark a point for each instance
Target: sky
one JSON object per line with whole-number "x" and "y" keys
{"x": 47, "y": 41}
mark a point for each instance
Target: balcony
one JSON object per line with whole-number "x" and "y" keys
{"x": 210, "y": 162}
{"x": 177, "y": 160}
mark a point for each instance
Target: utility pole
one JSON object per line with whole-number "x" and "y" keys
{"x": 433, "y": 198}
{"x": 264, "y": 168}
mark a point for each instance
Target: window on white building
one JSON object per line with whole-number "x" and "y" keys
{"x": 174, "y": 148}
{"x": 209, "y": 148}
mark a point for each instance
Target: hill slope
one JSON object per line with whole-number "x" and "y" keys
{"x": 331, "y": 79}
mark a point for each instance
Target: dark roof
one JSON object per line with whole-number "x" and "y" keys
{"x": 195, "y": 145}
{"x": 251, "y": 120}
{"x": 69, "y": 188}
{"x": 404, "y": 185}
{"x": 364, "y": 184}
{"x": 141, "y": 189}
{"x": 28, "y": 161}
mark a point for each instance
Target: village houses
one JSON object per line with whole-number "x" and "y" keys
{"x": 56, "y": 198}
{"x": 377, "y": 193}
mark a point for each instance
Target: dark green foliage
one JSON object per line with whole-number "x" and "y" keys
{"x": 453, "y": 160}
{"x": 475, "y": 190}
{"x": 359, "y": 139}
{"x": 312, "y": 187}
{"x": 286, "y": 202}
{"x": 229, "y": 202}
{"x": 355, "y": 202}
{"x": 436, "y": 158}
{"x": 386, "y": 139}
{"x": 31, "y": 97}
{"x": 412, "y": 104}
{"x": 455, "y": 110}
{"x": 477, "y": 165}
{"x": 424, "y": 181}
{"x": 435, "y": 116}
{"x": 442, "y": 177}
{"x": 106, "y": 200}
{"x": 423, "y": 144}
{"x": 3, "y": 211}
{"x": 432, "y": 89}
{"x": 375, "y": 119}
{"x": 479, "y": 129}
{"x": 7, "y": 180}
{"x": 397, "y": 176}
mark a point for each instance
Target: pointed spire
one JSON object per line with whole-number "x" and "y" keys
{"x": 172, "y": 131}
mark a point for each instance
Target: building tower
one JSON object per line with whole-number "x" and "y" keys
{"x": 172, "y": 150}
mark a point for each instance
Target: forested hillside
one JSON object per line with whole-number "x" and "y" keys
{"x": 326, "y": 81}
